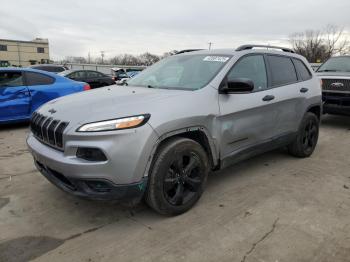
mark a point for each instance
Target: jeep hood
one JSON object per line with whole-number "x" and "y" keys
{"x": 107, "y": 103}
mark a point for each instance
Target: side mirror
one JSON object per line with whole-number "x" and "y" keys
{"x": 237, "y": 85}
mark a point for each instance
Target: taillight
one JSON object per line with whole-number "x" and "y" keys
{"x": 86, "y": 87}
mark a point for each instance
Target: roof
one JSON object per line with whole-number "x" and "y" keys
{"x": 232, "y": 51}
{"x": 27, "y": 69}
{"x": 36, "y": 41}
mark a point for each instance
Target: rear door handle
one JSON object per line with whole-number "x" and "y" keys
{"x": 268, "y": 98}
{"x": 304, "y": 90}
{"x": 24, "y": 92}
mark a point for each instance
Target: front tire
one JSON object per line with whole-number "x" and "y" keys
{"x": 307, "y": 137}
{"x": 178, "y": 176}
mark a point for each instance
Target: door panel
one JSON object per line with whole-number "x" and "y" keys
{"x": 41, "y": 88}
{"x": 247, "y": 119}
{"x": 284, "y": 81}
{"x": 288, "y": 106}
{"x": 93, "y": 79}
{"x": 15, "y": 98}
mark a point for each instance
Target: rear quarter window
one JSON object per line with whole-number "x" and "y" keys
{"x": 282, "y": 70}
{"x": 302, "y": 70}
{"x": 34, "y": 79}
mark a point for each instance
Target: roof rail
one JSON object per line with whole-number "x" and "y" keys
{"x": 247, "y": 47}
{"x": 187, "y": 51}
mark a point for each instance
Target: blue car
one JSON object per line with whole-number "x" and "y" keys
{"x": 23, "y": 90}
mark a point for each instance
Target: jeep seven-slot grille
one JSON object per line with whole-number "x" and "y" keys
{"x": 48, "y": 130}
{"x": 336, "y": 84}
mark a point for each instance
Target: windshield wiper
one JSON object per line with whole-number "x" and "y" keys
{"x": 149, "y": 86}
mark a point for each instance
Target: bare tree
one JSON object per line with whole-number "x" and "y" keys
{"x": 145, "y": 59}
{"x": 74, "y": 59}
{"x": 319, "y": 45}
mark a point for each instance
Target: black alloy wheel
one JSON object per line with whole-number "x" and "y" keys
{"x": 183, "y": 179}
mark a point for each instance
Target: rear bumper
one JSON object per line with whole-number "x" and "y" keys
{"x": 94, "y": 189}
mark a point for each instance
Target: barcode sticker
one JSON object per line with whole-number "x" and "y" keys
{"x": 221, "y": 59}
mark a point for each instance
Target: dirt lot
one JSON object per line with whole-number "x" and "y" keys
{"x": 270, "y": 208}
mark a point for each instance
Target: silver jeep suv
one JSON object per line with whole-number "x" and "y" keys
{"x": 159, "y": 136}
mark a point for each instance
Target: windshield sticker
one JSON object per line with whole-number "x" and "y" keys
{"x": 221, "y": 59}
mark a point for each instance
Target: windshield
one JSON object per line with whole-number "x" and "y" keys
{"x": 336, "y": 64}
{"x": 186, "y": 72}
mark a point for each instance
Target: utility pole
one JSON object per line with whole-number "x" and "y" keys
{"x": 19, "y": 54}
{"x": 89, "y": 58}
{"x": 102, "y": 55}
{"x": 210, "y": 43}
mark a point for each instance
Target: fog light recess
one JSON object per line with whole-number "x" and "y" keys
{"x": 91, "y": 154}
{"x": 99, "y": 186}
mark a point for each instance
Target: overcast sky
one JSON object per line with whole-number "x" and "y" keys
{"x": 76, "y": 27}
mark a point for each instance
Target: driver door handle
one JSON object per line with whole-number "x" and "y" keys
{"x": 304, "y": 90}
{"x": 268, "y": 98}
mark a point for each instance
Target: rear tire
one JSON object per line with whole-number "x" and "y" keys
{"x": 178, "y": 176}
{"x": 307, "y": 137}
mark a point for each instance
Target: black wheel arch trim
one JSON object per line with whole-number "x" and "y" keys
{"x": 212, "y": 147}
{"x": 319, "y": 105}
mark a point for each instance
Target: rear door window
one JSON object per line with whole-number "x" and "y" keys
{"x": 11, "y": 79}
{"x": 302, "y": 70}
{"x": 77, "y": 75}
{"x": 93, "y": 74}
{"x": 34, "y": 79}
{"x": 282, "y": 70}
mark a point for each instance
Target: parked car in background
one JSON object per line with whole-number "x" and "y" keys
{"x": 94, "y": 78}
{"x": 130, "y": 74}
{"x": 315, "y": 66}
{"x": 23, "y": 90}
{"x": 121, "y": 73}
{"x": 50, "y": 68}
{"x": 188, "y": 114}
{"x": 335, "y": 75}
{"x": 118, "y": 73}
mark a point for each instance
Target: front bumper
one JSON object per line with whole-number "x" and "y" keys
{"x": 95, "y": 189}
{"x": 123, "y": 172}
{"x": 336, "y": 103}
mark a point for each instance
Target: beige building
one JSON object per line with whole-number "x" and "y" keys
{"x": 24, "y": 53}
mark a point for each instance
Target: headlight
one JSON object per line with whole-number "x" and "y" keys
{"x": 115, "y": 124}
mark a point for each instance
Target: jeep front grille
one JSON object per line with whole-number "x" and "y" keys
{"x": 336, "y": 84}
{"x": 48, "y": 130}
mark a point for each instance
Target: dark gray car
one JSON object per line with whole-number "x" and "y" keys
{"x": 335, "y": 75}
{"x": 188, "y": 114}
